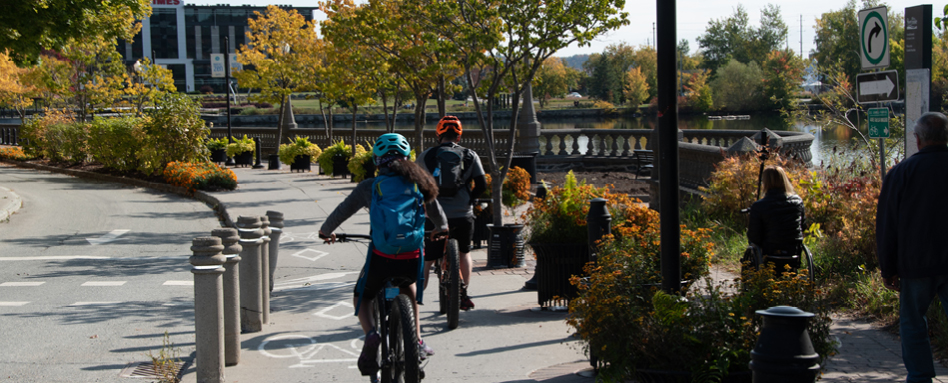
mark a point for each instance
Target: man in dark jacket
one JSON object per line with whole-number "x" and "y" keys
{"x": 911, "y": 223}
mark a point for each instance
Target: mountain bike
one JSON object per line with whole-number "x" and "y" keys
{"x": 399, "y": 351}
{"x": 448, "y": 271}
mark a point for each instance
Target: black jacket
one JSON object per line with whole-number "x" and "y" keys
{"x": 912, "y": 216}
{"x": 777, "y": 222}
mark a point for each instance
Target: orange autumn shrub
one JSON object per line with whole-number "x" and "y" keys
{"x": 200, "y": 176}
{"x": 516, "y": 189}
{"x": 14, "y": 153}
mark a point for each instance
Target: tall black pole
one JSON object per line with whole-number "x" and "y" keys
{"x": 668, "y": 146}
{"x": 230, "y": 133}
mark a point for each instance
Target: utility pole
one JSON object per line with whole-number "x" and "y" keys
{"x": 801, "y": 36}
{"x": 654, "y": 39}
{"x": 667, "y": 155}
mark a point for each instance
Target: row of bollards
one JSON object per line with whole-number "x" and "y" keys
{"x": 233, "y": 272}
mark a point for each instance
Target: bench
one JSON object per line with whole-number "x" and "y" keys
{"x": 644, "y": 160}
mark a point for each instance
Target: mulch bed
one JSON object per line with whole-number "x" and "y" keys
{"x": 621, "y": 182}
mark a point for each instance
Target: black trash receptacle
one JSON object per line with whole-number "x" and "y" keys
{"x": 505, "y": 248}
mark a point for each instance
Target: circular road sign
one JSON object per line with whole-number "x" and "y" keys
{"x": 874, "y": 37}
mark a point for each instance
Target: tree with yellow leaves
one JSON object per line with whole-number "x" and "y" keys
{"x": 14, "y": 92}
{"x": 552, "y": 80}
{"x": 146, "y": 83}
{"x": 636, "y": 87}
{"x": 282, "y": 53}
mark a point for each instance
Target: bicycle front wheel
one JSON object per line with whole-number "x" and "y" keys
{"x": 404, "y": 343}
{"x": 452, "y": 256}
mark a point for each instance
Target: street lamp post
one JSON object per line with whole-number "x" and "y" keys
{"x": 230, "y": 132}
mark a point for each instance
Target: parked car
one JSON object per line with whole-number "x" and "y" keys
{"x": 574, "y": 95}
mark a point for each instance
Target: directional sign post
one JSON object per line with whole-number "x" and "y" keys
{"x": 877, "y": 87}
{"x": 878, "y": 122}
{"x": 874, "y": 37}
{"x": 879, "y": 128}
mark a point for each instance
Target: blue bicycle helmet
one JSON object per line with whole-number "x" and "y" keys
{"x": 391, "y": 143}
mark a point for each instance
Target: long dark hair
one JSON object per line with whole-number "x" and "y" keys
{"x": 410, "y": 170}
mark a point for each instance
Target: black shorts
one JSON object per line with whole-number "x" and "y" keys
{"x": 461, "y": 229}
{"x": 381, "y": 268}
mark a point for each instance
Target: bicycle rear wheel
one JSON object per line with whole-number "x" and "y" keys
{"x": 442, "y": 289}
{"x": 452, "y": 256}
{"x": 403, "y": 341}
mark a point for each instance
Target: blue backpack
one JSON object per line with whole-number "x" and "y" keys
{"x": 397, "y": 215}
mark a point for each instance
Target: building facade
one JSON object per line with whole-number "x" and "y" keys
{"x": 182, "y": 38}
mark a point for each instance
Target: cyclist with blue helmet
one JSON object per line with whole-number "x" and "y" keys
{"x": 391, "y": 153}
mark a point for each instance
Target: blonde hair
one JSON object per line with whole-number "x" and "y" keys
{"x": 774, "y": 177}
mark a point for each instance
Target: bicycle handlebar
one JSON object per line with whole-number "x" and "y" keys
{"x": 344, "y": 237}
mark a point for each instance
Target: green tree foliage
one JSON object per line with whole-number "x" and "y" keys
{"x": 837, "y": 40}
{"x": 697, "y": 91}
{"x": 29, "y": 26}
{"x": 609, "y": 71}
{"x": 512, "y": 39}
{"x": 552, "y": 80}
{"x": 734, "y": 38}
{"x": 737, "y": 86}
{"x": 782, "y": 76}
{"x": 146, "y": 83}
{"x": 281, "y": 58}
{"x": 636, "y": 87}
{"x": 174, "y": 131}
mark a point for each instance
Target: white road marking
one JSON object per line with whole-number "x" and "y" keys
{"x": 52, "y": 258}
{"x": 111, "y": 236}
{"x": 103, "y": 284}
{"x": 325, "y": 312}
{"x": 312, "y": 257}
{"x": 20, "y": 284}
{"x": 12, "y": 304}
{"x": 178, "y": 283}
{"x": 307, "y": 351}
{"x": 94, "y": 303}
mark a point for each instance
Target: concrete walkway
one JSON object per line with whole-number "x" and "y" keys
{"x": 505, "y": 339}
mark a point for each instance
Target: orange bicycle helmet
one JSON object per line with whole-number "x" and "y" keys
{"x": 449, "y": 123}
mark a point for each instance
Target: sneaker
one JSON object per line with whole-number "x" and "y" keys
{"x": 425, "y": 349}
{"x": 368, "y": 361}
{"x": 466, "y": 303}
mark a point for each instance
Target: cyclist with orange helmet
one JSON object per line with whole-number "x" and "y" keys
{"x": 454, "y": 167}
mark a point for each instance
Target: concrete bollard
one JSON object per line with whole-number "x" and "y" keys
{"x": 251, "y": 301}
{"x": 256, "y": 143}
{"x": 265, "y": 267}
{"x": 208, "y": 308}
{"x": 231, "y": 242}
{"x": 276, "y": 230}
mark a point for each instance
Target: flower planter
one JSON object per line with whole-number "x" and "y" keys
{"x": 340, "y": 166}
{"x": 219, "y": 155}
{"x": 245, "y": 158}
{"x": 273, "y": 162}
{"x": 556, "y": 264}
{"x": 505, "y": 248}
{"x": 301, "y": 163}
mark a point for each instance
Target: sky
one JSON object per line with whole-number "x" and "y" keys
{"x": 693, "y": 18}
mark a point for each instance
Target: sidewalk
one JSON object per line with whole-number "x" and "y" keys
{"x": 313, "y": 337}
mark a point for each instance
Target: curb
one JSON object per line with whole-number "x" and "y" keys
{"x": 212, "y": 202}
{"x": 11, "y": 208}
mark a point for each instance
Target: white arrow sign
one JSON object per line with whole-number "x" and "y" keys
{"x": 111, "y": 236}
{"x": 884, "y": 86}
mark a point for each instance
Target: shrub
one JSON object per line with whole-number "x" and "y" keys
{"x": 202, "y": 175}
{"x": 325, "y": 158}
{"x": 14, "y": 153}
{"x": 173, "y": 132}
{"x": 516, "y": 190}
{"x": 116, "y": 142}
{"x": 630, "y": 325}
{"x": 299, "y": 146}
{"x": 217, "y": 144}
{"x": 240, "y": 145}
{"x": 43, "y": 136}
{"x": 561, "y": 216}
{"x": 357, "y": 164}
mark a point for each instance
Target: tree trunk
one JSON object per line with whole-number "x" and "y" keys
{"x": 331, "y": 125}
{"x": 420, "y": 103}
{"x": 388, "y": 126}
{"x": 442, "y": 107}
{"x": 280, "y": 124}
{"x": 355, "y": 110}
{"x": 322, "y": 110}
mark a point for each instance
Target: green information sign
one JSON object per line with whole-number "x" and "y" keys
{"x": 878, "y": 123}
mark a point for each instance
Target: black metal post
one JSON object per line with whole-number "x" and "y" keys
{"x": 256, "y": 143}
{"x": 230, "y": 132}
{"x": 598, "y": 224}
{"x": 667, "y": 45}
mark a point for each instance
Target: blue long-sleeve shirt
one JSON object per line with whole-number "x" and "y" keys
{"x": 361, "y": 197}
{"x": 912, "y": 216}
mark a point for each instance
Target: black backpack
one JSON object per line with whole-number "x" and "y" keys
{"x": 447, "y": 164}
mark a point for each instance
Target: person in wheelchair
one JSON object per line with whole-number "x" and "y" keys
{"x": 777, "y": 222}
